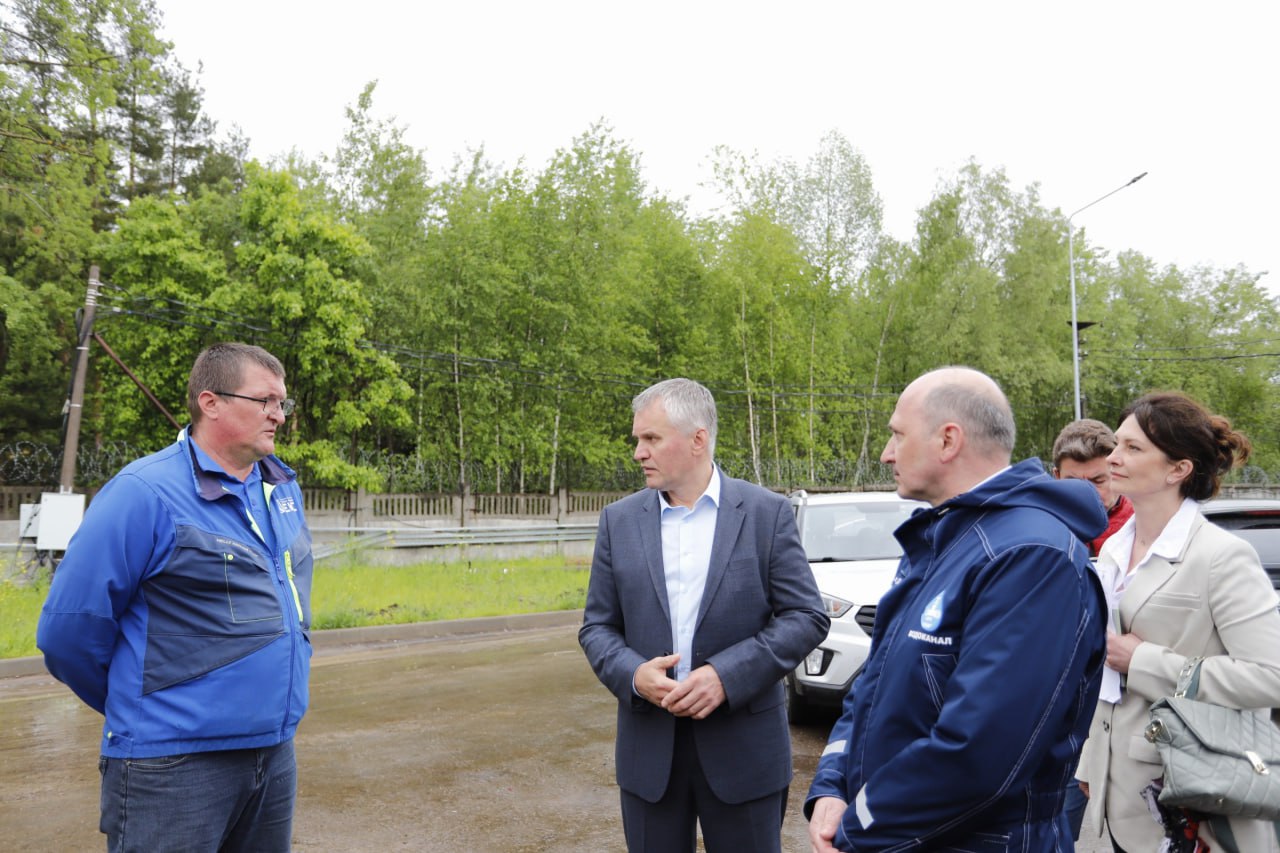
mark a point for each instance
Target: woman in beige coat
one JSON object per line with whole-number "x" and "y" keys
{"x": 1179, "y": 587}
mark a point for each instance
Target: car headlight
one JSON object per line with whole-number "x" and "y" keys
{"x": 835, "y": 607}
{"x": 815, "y": 663}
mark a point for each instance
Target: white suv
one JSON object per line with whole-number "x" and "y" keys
{"x": 848, "y": 538}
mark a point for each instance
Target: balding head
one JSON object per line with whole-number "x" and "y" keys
{"x": 952, "y": 428}
{"x": 973, "y": 400}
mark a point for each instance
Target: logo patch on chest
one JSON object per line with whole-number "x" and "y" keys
{"x": 931, "y": 618}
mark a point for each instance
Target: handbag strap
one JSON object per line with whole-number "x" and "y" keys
{"x": 1222, "y": 832}
{"x": 1189, "y": 678}
{"x": 1226, "y": 838}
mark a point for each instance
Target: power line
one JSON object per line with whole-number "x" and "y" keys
{"x": 1210, "y": 346}
{"x": 1131, "y": 357}
{"x": 174, "y": 311}
{"x": 177, "y": 310}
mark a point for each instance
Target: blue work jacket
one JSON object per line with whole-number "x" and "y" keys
{"x": 177, "y": 616}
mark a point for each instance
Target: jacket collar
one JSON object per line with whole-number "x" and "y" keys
{"x": 209, "y": 475}
{"x": 1154, "y": 573}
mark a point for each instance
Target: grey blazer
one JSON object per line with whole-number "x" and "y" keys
{"x": 1214, "y": 600}
{"x": 761, "y": 614}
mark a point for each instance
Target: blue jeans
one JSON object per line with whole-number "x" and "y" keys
{"x": 203, "y": 802}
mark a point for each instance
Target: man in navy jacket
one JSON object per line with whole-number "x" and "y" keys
{"x": 963, "y": 728}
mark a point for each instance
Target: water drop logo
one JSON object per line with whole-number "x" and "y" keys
{"x": 932, "y": 616}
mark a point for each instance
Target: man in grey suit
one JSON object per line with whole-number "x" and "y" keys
{"x": 700, "y": 601}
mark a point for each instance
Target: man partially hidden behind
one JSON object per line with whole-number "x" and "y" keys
{"x": 962, "y": 730}
{"x": 180, "y": 612}
{"x": 700, "y": 600}
{"x": 1080, "y": 453}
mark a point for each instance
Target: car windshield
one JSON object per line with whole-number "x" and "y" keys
{"x": 853, "y": 531}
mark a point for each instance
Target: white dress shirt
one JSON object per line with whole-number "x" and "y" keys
{"x": 1113, "y": 560}
{"x": 687, "y": 535}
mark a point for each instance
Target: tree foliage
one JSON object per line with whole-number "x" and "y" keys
{"x": 494, "y": 322}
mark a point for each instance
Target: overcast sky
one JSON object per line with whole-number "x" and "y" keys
{"x": 1077, "y": 97}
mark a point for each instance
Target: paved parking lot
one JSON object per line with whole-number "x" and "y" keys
{"x": 479, "y": 743}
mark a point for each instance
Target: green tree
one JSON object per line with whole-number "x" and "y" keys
{"x": 81, "y": 91}
{"x": 295, "y": 272}
{"x": 282, "y": 275}
{"x": 1206, "y": 332}
{"x": 191, "y": 148}
{"x": 756, "y": 269}
{"x": 156, "y": 314}
{"x": 382, "y": 188}
{"x": 32, "y": 373}
{"x": 830, "y": 207}
{"x": 468, "y": 285}
{"x": 985, "y": 286}
{"x": 141, "y": 82}
{"x": 47, "y": 205}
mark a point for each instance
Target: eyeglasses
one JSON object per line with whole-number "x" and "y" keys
{"x": 269, "y": 404}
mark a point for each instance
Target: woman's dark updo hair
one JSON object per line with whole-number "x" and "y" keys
{"x": 1184, "y": 429}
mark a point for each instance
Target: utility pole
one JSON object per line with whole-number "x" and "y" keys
{"x": 75, "y": 406}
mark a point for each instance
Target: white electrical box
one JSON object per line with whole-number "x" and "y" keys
{"x": 60, "y": 516}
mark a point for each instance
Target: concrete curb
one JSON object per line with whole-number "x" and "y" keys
{"x": 14, "y": 667}
{"x": 338, "y": 637}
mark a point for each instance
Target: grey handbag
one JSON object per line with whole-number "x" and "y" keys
{"x": 1218, "y": 761}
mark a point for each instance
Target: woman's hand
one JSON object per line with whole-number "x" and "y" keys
{"x": 1120, "y": 650}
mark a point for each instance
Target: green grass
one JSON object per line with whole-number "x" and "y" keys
{"x": 350, "y": 596}
{"x": 354, "y": 594}
{"x": 19, "y": 609}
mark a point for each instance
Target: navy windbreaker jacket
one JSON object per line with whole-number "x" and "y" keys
{"x": 964, "y": 726}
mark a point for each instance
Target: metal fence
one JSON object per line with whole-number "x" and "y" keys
{"x": 417, "y": 487}
{"x": 383, "y": 539}
{"x": 363, "y": 509}
{"x": 25, "y": 463}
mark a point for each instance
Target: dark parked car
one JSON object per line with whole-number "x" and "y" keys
{"x": 1257, "y": 521}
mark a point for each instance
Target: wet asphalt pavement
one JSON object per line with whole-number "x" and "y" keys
{"x": 487, "y": 743}
{"x": 498, "y": 742}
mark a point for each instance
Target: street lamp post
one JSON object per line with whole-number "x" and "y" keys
{"x": 1071, "y": 260}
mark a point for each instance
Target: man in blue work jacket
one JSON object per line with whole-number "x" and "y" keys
{"x": 181, "y": 613}
{"x": 963, "y": 728}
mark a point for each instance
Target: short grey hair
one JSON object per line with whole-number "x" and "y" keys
{"x": 985, "y": 415}
{"x": 688, "y": 404}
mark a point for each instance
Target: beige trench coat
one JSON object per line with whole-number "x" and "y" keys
{"x": 1214, "y": 600}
